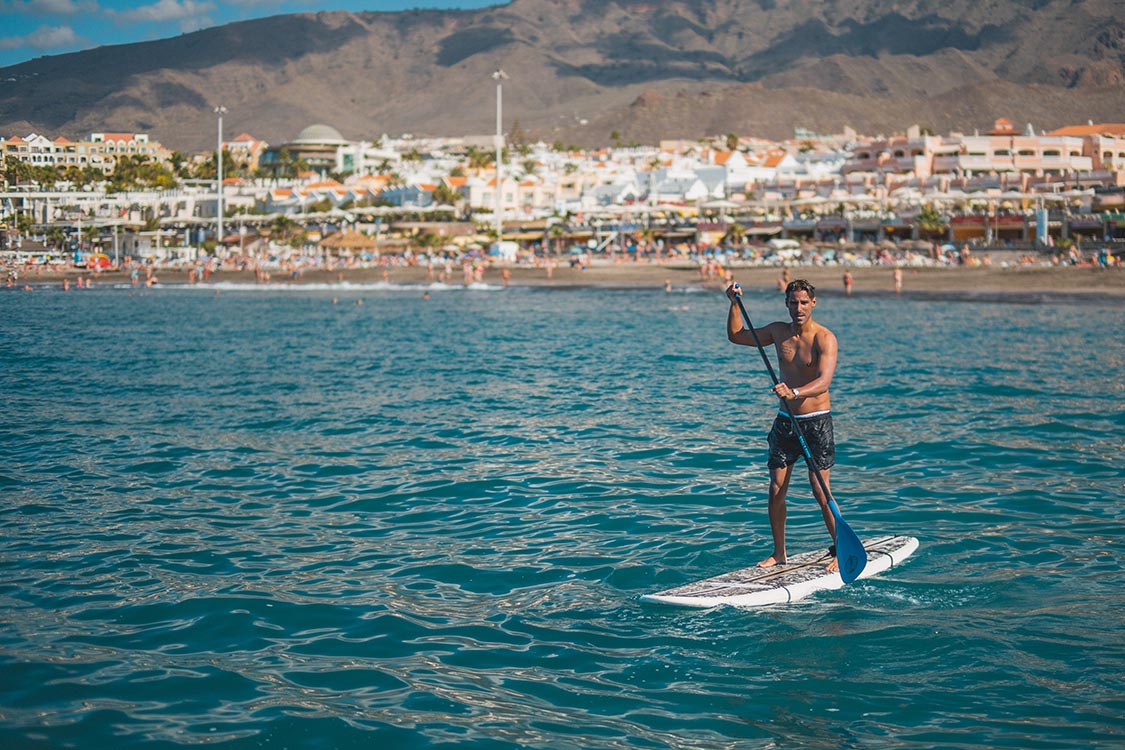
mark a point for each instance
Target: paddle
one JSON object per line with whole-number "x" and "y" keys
{"x": 850, "y": 554}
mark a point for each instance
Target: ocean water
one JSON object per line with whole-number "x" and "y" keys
{"x": 356, "y": 518}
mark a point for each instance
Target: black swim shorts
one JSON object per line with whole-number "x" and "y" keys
{"x": 785, "y": 448}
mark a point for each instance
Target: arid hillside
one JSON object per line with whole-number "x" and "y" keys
{"x": 583, "y": 69}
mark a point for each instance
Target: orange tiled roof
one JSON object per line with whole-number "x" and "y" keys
{"x": 773, "y": 158}
{"x": 1104, "y": 128}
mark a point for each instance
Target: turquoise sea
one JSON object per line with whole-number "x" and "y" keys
{"x": 255, "y": 518}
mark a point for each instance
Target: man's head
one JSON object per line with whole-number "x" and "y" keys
{"x": 800, "y": 298}
{"x": 799, "y": 285}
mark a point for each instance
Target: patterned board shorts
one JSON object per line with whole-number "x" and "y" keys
{"x": 785, "y": 448}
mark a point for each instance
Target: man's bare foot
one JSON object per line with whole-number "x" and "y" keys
{"x": 833, "y": 565}
{"x": 772, "y": 561}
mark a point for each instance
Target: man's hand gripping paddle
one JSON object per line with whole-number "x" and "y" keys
{"x": 850, "y": 554}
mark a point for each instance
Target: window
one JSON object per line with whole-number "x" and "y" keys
{"x": 1051, "y": 152}
{"x": 1001, "y": 152}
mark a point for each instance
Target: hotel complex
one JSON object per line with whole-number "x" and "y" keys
{"x": 1002, "y": 187}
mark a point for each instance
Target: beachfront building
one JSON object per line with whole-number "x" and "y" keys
{"x": 480, "y": 194}
{"x": 316, "y": 147}
{"x": 40, "y": 151}
{"x": 322, "y": 149}
{"x": 111, "y": 146}
{"x": 100, "y": 150}
{"x": 911, "y": 154}
{"x": 813, "y": 164}
{"x": 320, "y": 195}
{"x": 764, "y": 165}
{"x": 246, "y": 151}
{"x": 1104, "y": 143}
{"x": 1005, "y": 150}
{"x": 1001, "y": 151}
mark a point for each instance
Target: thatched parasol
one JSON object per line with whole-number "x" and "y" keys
{"x": 349, "y": 240}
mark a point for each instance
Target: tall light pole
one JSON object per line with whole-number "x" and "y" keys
{"x": 220, "y": 111}
{"x": 499, "y": 77}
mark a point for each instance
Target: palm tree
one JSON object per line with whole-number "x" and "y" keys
{"x": 930, "y": 223}
{"x": 428, "y": 241}
{"x": 443, "y": 193}
{"x": 736, "y": 234}
{"x": 17, "y": 172}
{"x": 556, "y": 234}
{"x": 179, "y": 161}
{"x": 478, "y": 158}
{"x": 283, "y": 227}
{"x": 56, "y": 236}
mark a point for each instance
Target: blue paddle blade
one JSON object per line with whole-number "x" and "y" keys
{"x": 850, "y": 554}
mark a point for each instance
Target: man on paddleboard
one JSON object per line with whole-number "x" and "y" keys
{"x": 806, "y": 355}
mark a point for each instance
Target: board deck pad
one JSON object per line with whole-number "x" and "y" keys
{"x": 801, "y": 576}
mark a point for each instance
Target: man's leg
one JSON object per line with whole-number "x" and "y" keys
{"x": 829, "y": 519}
{"x": 779, "y": 485}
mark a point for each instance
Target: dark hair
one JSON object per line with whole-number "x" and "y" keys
{"x": 798, "y": 285}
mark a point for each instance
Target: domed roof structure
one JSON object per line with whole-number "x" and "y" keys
{"x": 320, "y": 134}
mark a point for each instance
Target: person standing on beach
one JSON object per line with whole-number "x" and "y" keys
{"x": 806, "y": 354}
{"x": 848, "y": 281}
{"x": 783, "y": 280}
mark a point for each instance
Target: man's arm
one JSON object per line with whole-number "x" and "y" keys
{"x": 737, "y": 332}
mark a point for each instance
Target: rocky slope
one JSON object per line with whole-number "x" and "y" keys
{"x": 581, "y": 69}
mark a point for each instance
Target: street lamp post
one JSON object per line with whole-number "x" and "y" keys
{"x": 220, "y": 111}
{"x": 499, "y": 76}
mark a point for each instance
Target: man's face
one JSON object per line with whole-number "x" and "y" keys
{"x": 800, "y": 306}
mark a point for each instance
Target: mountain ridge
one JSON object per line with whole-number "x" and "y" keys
{"x": 582, "y": 69}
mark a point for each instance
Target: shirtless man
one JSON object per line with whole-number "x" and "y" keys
{"x": 806, "y": 354}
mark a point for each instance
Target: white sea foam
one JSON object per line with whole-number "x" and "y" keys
{"x": 340, "y": 286}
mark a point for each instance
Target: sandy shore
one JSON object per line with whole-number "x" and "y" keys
{"x": 973, "y": 282}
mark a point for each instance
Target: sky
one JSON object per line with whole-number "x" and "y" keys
{"x": 35, "y": 28}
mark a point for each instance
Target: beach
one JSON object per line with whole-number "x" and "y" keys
{"x": 973, "y": 282}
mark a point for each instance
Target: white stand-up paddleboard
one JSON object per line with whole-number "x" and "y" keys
{"x": 801, "y": 576}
